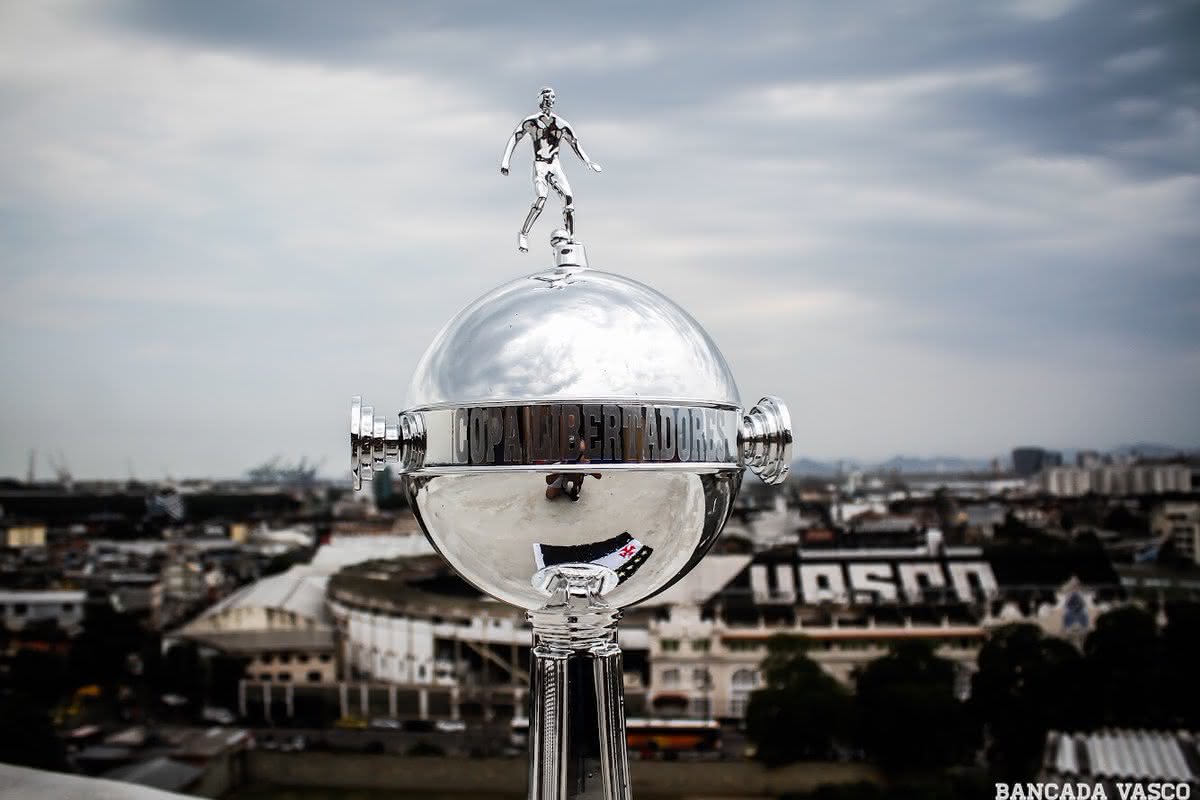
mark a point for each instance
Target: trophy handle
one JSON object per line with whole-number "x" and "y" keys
{"x": 577, "y": 744}
{"x": 766, "y": 440}
{"x": 374, "y": 443}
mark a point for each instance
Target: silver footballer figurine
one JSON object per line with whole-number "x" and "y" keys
{"x": 546, "y": 130}
{"x": 572, "y": 443}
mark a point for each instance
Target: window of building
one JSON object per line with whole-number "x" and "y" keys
{"x": 744, "y": 680}
{"x": 670, "y": 645}
{"x": 326, "y": 658}
{"x": 671, "y": 677}
{"x": 265, "y": 677}
{"x": 302, "y": 658}
{"x": 68, "y": 607}
{"x": 284, "y": 676}
{"x": 741, "y": 645}
{"x": 314, "y": 677}
{"x": 421, "y": 672}
{"x": 701, "y": 645}
{"x": 701, "y": 707}
{"x": 285, "y": 658}
{"x": 701, "y": 677}
{"x": 19, "y": 609}
{"x": 268, "y": 658}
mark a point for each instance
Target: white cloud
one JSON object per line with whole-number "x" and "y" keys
{"x": 864, "y": 99}
{"x": 594, "y": 55}
{"x": 1136, "y": 60}
{"x": 1042, "y": 10}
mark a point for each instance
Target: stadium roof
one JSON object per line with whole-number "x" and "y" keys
{"x": 300, "y": 590}
{"x": 1124, "y": 754}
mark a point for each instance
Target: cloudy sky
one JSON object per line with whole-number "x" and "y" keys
{"x": 932, "y": 227}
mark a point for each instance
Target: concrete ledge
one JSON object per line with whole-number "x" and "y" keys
{"x": 21, "y": 783}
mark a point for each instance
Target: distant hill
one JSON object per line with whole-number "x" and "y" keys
{"x": 935, "y": 464}
{"x": 1153, "y": 450}
{"x": 903, "y": 464}
{"x": 806, "y": 466}
{"x": 955, "y": 464}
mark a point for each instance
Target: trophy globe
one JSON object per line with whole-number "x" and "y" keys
{"x": 572, "y": 443}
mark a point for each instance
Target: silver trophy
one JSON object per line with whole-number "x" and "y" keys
{"x": 572, "y": 444}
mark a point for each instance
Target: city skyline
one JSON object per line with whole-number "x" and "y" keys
{"x": 933, "y": 230}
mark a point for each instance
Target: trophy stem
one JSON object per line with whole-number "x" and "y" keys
{"x": 577, "y": 743}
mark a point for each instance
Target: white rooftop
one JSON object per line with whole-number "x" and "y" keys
{"x": 41, "y": 596}
{"x": 1139, "y": 754}
{"x": 300, "y": 590}
{"x": 706, "y": 579}
{"x": 343, "y": 551}
{"x": 20, "y": 783}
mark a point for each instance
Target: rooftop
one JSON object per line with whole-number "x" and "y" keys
{"x": 20, "y": 783}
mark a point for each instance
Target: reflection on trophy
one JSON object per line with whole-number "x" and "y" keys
{"x": 567, "y": 374}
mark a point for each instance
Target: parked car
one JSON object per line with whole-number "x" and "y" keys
{"x": 386, "y": 724}
{"x": 218, "y": 716}
{"x": 294, "y": 744}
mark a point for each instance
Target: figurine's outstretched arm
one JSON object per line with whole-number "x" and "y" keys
{"x": 512, "y": 144}
{"x": 569, "y": 135}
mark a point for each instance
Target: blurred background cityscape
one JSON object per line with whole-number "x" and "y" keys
{"x": 936, "y": 229}
{"x": 206, "y": 636}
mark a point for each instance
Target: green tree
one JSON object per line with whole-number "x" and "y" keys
{"x": 27, "y": 738}
{"x": 1027, "y": 684}
{"x": 39, "y": 675}
{"x": 1124, "y": 663}
{"x": 1181, "y": 664}
{"x": 802, "y": 712}
{"x": 100, "y": 653}
{"x": 908, "y": 717}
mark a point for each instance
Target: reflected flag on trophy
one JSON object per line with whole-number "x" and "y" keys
{"x": 623, "y": 554}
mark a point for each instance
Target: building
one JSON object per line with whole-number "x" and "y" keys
{"x": 279, "y": 623}
{"x": 696, "y": 648}
{"x": 1029, "y": 461}
{"x": 1119, "y": 480}
{"x": 984, "y": 518}
{"x": 854, "y": 604}
{"x": 23, "y": 609}
{"x": 23, "y": 536}
{"x": 1180, "y": 523}
{"x": 282, "y": 623}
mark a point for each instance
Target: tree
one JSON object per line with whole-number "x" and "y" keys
{"x": 908, "y": 717}
{"x": 27, "y": 738}
{"x": 1181, "y": 663}
{"x": 182, "y": 672}
{"x": 802, "y": 712}
{"x": 100, "y": 653}
{"x": 39, "y": 675}
{"x": 1027, "y": 684}
{"x": 1124, "y": 663}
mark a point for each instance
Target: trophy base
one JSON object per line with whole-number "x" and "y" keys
{"x": 577, "y": 746}
{"x": 577, "y": 725}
